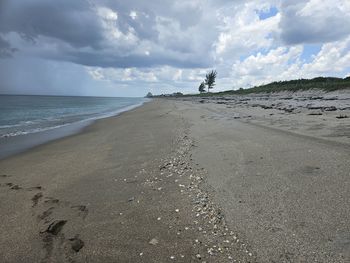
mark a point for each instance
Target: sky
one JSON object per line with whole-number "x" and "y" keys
{"x": 129, "y": 48}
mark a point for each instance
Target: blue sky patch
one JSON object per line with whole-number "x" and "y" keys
{"x": 267, "y": 14}
{"x": 309, "y": 50}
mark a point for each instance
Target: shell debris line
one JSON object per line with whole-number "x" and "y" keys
{"x": 214, "y": 236}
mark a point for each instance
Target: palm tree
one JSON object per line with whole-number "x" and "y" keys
{"x": 201, "y": 88}
{"x": 210, "y": 79}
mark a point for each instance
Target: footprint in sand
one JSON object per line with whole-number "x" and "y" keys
{"x": 36, "y": 198}
{"x": 12, "y": 186}
{"x": 76, "y": 243}
{"x": 44, "y": 215}
{"x": 51, "y": 226}
{"x": 34, "y": 188}
{"x": 16, "y": 187}
{"x": 82, "y": 210}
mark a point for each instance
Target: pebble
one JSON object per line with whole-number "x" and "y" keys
{"x": 153, "y": 241}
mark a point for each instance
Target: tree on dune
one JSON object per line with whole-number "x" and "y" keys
{"x": 201, "y": 88}
{"x": 210, "y": 79}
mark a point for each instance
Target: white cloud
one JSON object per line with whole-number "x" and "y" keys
{"x": 107, "y": 13}
{"x": 277, "y": 64}
{"x": 334, "y": 58}
{"x": 133, "y": 15}
{"x": 285, "y": 63}
{"x": 242, "y": 31}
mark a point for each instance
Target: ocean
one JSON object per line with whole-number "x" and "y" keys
{"x": 26, "y": 121}
{"x": 20, "y": 115}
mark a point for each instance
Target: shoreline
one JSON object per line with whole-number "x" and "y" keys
{"x": 11, "y": 146}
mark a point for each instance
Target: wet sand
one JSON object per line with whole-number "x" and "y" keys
{"x": 179, "y": 181}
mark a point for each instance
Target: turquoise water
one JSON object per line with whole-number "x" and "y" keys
{"x": 20, "y": 115}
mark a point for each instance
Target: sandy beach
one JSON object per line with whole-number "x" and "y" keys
{"x": 190, "y": 180}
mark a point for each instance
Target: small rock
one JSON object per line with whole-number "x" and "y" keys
{"x": 342, "y": 116}
{"x": 131, "y": 199}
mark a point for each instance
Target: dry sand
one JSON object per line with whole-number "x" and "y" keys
{"x": 182, "y": 181}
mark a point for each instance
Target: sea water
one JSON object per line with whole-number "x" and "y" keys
{"x": 20, "y": 115}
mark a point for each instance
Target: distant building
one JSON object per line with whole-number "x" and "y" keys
{"x": 149, "y": 95}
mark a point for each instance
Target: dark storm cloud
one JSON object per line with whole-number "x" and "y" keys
{"x": 135, "y": 61}
{"x": 6, "y": 50}
{"x": 70, "y": 21}
{"x": 314, "y": 23}
{"x": 82, "y": 35}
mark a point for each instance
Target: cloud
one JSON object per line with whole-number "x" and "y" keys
{"x": 333, "y": 58}
{"x": 286, "y": 63}
{"x": 6, "y": 50}
{"x": 277, "y": 64}
{"x": 314, "y": 21}
{"x": 243, "y": 31}
{"x": 127, "y": 47}
{"x": 73, "y": 22}
{"x": 111, "y": 33}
